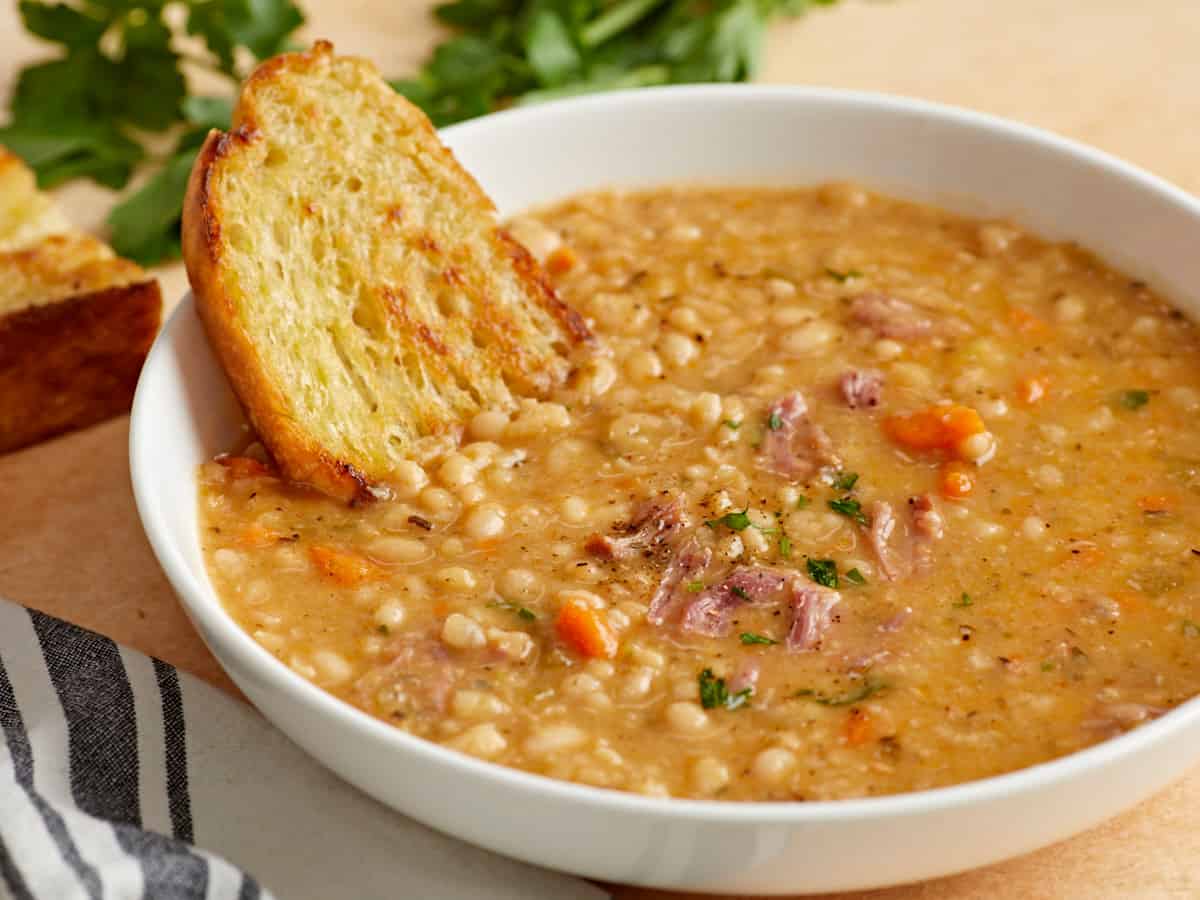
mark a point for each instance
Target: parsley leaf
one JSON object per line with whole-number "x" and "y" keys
{"x": 845, "y": 481}
{"x": 775, "y": 421}
{"x": 522, "y": 612}
{"x": 802, "y": 502}
{"x": 749, "y": 638}
{"x": 740, "y": 592}
{"x": 868, "y": 688}
{"x": 785, "y": 546}
{"x": 855, "y": 577}
{"x": 842, "y": 277}
{"x": 823, "y": 572}
{"x": 695, "y": 587}
{"x": 964, "y": 601}
{"x": 732, "y": 425}
{"x": 714, "y": 693}
{"x": 1133, "y": 399}
{"x": 851, "y": 509}
{"x": 734, "y": 521}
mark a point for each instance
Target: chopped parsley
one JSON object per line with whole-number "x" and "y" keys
{"x": 964, "y": 601}
{"x": 734, "y": 521}
{"x": 845, "y": 481}
{"x": 741, "y": 592}
{"x": 842, "y": 277}
{"x": 1190, "y": 628}
{"x": 785, "y": 546}
{"x": 732, "y": 425}
{"x": 823, "y": 572}
{"x": 775, "y": 421}
{"x": 750, "y": 638}
{"x": 1047, "y": 665}
{"x": 523, "y": 612}
{"x": 850, "y": 508}
{"x": 869, "y": 687}
{"x": 802, "y": 502}
{"x": 855, "y": 577}
{"x": 695, "y": 587}
{"x": 1133, "y": 399}
{"x": 714, "y": 693}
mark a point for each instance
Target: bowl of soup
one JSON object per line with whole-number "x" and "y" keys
{"x": 858, "y": 552}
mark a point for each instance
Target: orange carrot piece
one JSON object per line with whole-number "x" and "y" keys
{"x": 1032, "y": 389}
{"x": 561, "y": 261}
{"x": 934, "y": 428}
{"x": 1156, "y": 503}
{"x": 580, "y": 627}
{"x": 1025, "y": 321}
{"x": 343, "y": 566}
{"x": 858, "y": 728}
{"x": 245, "y": 467}
{"x": 956, "y": 481}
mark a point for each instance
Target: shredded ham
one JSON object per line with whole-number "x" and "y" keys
{"x": 812, "y": 608}
{"x": 711, "y": 611}
{"x": 746, "y": 677}
{"x": 797, "y": 447}
{"x": 861, "y": 388}
{"x": 421, "y": 673}
{"x": 879, "y": 535}
{"x": 654, "y": 523}
{"x": 891, "y": 317}
{"x": 928, "y": 527}
{"x": 689, "y": 563}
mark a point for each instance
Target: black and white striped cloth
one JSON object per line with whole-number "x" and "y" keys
{"x": 120, "y": 778}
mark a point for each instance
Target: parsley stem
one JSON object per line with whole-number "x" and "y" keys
{"x": 615, "y": 20}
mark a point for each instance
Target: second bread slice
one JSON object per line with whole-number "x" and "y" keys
{"x": 353, "y": 280}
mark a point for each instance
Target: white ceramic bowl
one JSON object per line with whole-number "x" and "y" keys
{"x": 184, "y": 413}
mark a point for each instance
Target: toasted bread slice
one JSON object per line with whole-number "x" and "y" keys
{"x": 76, "y": 321}
{"x": 353, "y": 280}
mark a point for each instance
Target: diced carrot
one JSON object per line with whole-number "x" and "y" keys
{"x": 580, "y": 627}
{"x": 956, "y": 481}
{"x": 858, "y": 728}
{"x": 245, "y": 467}
{"x": 561, "y": 261}
{"x": 1156, "y": 503}
{"x": 1032, "y": 389}
{"x": 936, "y": 428}
{"x": 256, "y": 535}
{"x": 343, "y": 566}
{"x": 1025, "y": 321}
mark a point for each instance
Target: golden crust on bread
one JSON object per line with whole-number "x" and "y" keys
{"x": 76, "y": 321}
{"x": 353, "y": 280}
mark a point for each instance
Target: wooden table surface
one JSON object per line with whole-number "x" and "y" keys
{"x": 1123, "y": 76}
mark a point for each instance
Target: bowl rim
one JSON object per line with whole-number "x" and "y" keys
{"x": 204, "y": 607}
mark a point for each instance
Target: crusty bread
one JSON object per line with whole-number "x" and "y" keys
{"x": 352, "y": 278}
{"x": 75, "y": 320}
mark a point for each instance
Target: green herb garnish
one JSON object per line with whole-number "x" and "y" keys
{"x": 734, "y": 521}
{"x": 750, "y": 638}
{"x": 802, "y": 502}
{"x": 775, "y": 421}
{"x": 741, "y": 592}
{"x": 855, "y": 577}
{"x": 1047, "y": 665}
{"x": 1135, "y": 399}
{"x": 695, "y": 587}
{"x": 522, "y": 612}
{"x": 714, "y": 693}
{"x": 964, "y": 601}
{"x": 732, "y": 425}
{"x": 842, "y": 277}
{"x": 850, "y": 508}
{"x": 869, "y": 687}
{"x": 845, "y": 481}
{"x": 823, "y": 572}
{"x": 785, "y": 546}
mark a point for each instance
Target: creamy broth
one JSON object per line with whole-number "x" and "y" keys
{"x": 857, "y": 497}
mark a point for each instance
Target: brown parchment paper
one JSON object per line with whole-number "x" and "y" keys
{"x": 1122, "y": 75}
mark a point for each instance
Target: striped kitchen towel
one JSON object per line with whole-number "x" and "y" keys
{"x": 121, "y": 778}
